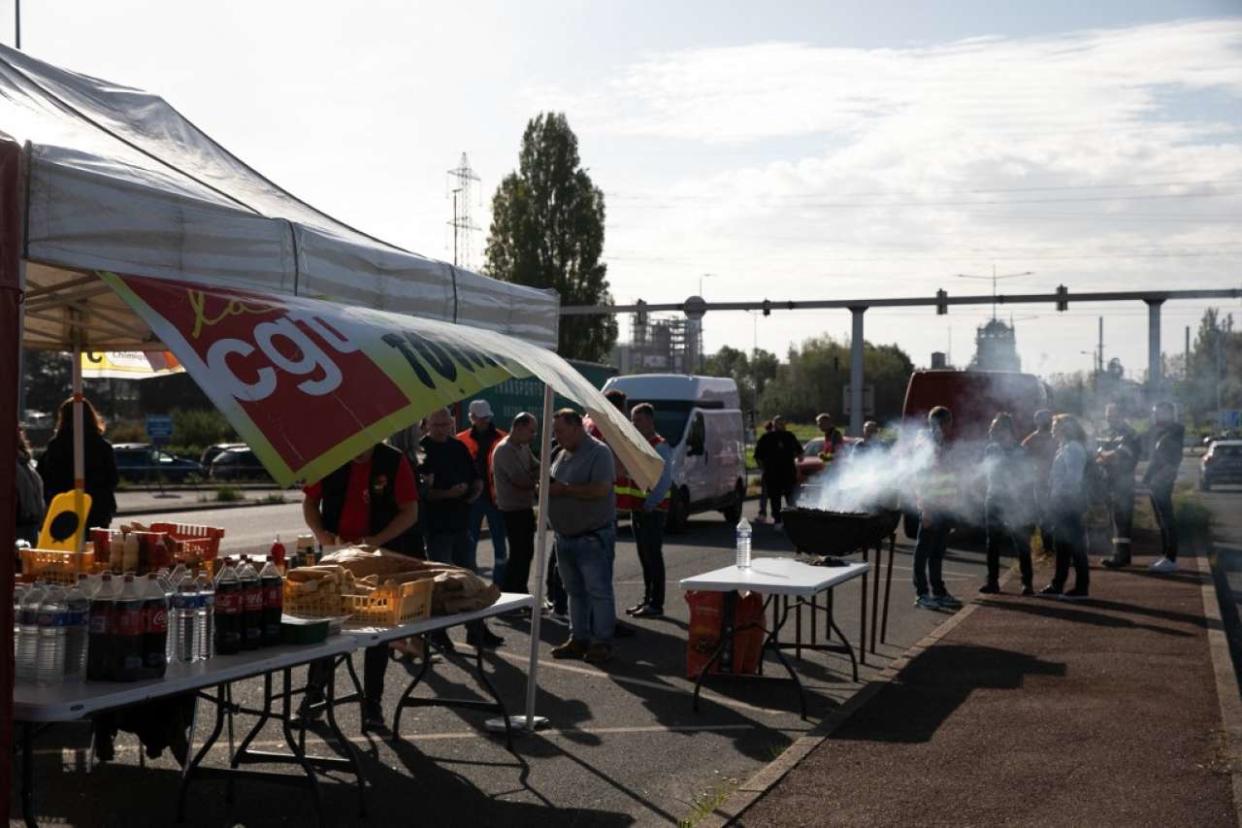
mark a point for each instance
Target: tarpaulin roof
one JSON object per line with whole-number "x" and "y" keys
{"x": 119, "y": 180}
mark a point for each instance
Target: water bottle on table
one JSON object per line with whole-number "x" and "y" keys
{"x": 743, "y": 544}
{"x": 53, "y": 630}
{"x": 77, "y": 629}
{"x": 28, "y": 633}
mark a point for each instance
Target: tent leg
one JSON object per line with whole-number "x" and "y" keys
{"x": 528, "y": 721}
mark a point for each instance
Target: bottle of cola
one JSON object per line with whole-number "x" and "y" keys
{"x": 252, "y": 606}
{"x": 273, "y": 602}
{"x": 154, "y": 628}
{"x": 100, "y": 644}
{"x": 127, "y": 660}
{"x": 228, "y": 611}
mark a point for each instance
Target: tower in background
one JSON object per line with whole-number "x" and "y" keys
{"x": 462, "y": 180}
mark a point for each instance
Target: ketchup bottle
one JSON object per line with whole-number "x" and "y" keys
{"x": 278, "y": 554}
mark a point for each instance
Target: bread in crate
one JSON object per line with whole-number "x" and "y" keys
{"x": 315, "y": 591}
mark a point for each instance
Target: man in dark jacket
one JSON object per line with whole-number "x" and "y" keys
{"x": 373, "y": 501}
{"x": 1117, "y": 456}
{"x": 777, "y": 452}
{"x": 1167, "y": 437}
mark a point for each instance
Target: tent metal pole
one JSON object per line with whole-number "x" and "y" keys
{"x": 528, "y": 721}
{"x": 79, "y": 437}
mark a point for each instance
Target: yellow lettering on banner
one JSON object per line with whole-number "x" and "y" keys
{"x": 198, "y": 301}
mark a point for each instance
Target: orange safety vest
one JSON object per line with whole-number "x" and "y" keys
{"x": 830, "y": 448}
{"x": 629, "y": 496}
{"x": 472, "y": 445}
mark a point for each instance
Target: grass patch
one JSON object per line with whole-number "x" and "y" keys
{"x": 229, "y": 494}
{"x": 273, "y": 497}
{"x": 708, "y": 802}
{"x": 1194, "y": 518}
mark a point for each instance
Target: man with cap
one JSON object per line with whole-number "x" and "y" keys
{"x": 480, "y": 439}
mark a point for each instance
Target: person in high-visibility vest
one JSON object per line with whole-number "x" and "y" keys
{"x": 833, "y": 440}
{"x": 648, "y": 511}
{"x": 937, "y": 503}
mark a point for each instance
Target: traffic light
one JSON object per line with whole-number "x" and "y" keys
{"x": 1062, "y": 298}
{"x": 942, "y": 307}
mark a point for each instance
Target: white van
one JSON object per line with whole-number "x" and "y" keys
{"x": 701, "y": 419}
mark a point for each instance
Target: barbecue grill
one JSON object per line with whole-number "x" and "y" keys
{"x": 821, "y": 532}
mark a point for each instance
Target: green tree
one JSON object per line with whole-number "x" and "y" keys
{"x": 750, "y": 373}
{"x": 813, "y": 380}
{"x": 548, "y": 232}
{"x": 1213, "y": 373}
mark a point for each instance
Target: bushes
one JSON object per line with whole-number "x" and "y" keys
{"x": 199, "y": 428}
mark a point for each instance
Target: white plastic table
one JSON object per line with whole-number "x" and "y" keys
{"x": 376, "y": 636}
{"x": 73, "y": 700}
{"x": 774, "y": 577}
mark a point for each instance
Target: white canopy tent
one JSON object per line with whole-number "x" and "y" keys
{"x": 117, "y": 179}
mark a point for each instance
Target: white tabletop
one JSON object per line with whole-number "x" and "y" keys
{"x": 73, "y": 700}
{"x": 508, "y": 602}
{"x": 775, "y": 576}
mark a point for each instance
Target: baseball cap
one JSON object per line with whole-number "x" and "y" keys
{"x": 480, "y": 409}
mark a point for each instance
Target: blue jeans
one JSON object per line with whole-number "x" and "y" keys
{"x": 451, "y": 548}
{"x": 929, "y": 552}
{"x": 484, "y": 508}
{"x": 585, "y": 564}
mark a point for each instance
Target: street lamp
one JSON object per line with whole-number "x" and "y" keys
{"x": 994, "y": 279}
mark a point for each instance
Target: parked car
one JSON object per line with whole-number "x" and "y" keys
{"x": 211, "y": 452}
{"x": 1221, "y": 464}
{"x": 701, "y": 420}
{"x": 144, "y": 463}
{"x": 811, "y": 464}
{"x": 238, "y": 463}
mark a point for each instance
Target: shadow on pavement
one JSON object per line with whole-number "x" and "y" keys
{"x": 1080, "y": 613}
{"x": 934, "y": 685}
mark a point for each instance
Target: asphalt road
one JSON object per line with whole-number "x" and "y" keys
{"x": 624, "y": 746}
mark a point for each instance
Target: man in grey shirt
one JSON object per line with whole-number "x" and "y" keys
{"x": 515, "y": 475}
{"x": 582, "y": 512}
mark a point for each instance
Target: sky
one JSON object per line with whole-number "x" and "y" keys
{"x": 783, "y": 150}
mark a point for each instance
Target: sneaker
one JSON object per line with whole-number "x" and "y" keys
{"x": 926, "y": 602}
{"x": 989, "y": 589}
{"x": 598, "y": 653}
{"x": 1050, "y": 591}
{"x": 574, "y": 648}
{"x": 372, "y": 716}
{"x": 648, "y": 611}
{"x": 1028, "y": 590}
{"x": 1163, "y": 566}
{"x": 1115, "y": 563}
{"x": 947, "y": 601}
{"x": 634, "y": 609}
{"x": 1075, "y": 594}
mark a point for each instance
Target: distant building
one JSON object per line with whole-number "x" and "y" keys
{"x": 667, "y": 345}
{"x": 996, "y": 348}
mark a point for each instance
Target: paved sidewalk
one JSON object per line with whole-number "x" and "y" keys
{"x": 1036, "y": 712}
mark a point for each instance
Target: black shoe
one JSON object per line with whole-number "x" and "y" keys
{"x": 440, "y": 640}
{"x": 1115, "y": 563}
{"x": 623, "y": 631}
{"x": 634, "y": 609}
{"x": 1028, "y": 590}
{"x": 309, "y": 712}
{"x": 648, "y": 611}
{"x": 989, "y": 588}
{"x": 372, "y": 716}
{"x": 482, "y": 638}
{"x": 1075, "y": 594}
{"x": 1050, "y": 591}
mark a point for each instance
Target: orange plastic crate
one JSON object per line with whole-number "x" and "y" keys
{"x": 390, "y": 605}
{"x": 55, "y": 565}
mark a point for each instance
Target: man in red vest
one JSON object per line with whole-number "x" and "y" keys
{"x": 648, "y": 511}
{"x": 480, "y": 439}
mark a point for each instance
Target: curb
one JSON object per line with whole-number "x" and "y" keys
{"x": 1227, "y": 693}
{"x": 755, "y": 788}
{"x": 193, "y": 506}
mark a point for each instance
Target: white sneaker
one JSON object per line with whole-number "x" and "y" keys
{"x": 1163, "y": 566}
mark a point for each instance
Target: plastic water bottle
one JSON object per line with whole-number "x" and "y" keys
{"x": 53, "y": 632}
{"x": 743, "y": 544}
{"x": 77, "y": 629}
{"x": 179, "y": 574}
{"x": 181, "y": 623}
{"x": 205, "y": 616}
{"x": 28, "y": 634}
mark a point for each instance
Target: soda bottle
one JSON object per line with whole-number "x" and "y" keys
{"x": 53, "y": 617}
{"x": 99, "y": 648}
{"x": 228, "y": 611}
{"x": 273, "y": 602}
{"x": 252, "y": 606}
{"x": 181, "y": 622}
{"x": 278, "y": 554}
{"x": 154, "y": 628}
{"x": 127, "y": 655}
{"x": 77, "y": 629}
{"x": 27, "y": 655}
{"x": 205, "y": 616}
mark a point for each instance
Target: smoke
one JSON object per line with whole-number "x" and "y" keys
{"x": 888, "y": 476}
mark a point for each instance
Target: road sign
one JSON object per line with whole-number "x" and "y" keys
{"x": 1229, "y": 417}
{"x": 159, "y": 427}
{"x": 868, "y": 400}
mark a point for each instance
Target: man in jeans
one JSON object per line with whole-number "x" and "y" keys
{"x": 481, "y": 440}
{"x": 937, "y": 502}
{"x": 582, "y": 511}
{"x": 515, "y": 476}
{"x": 647, "y": 515}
